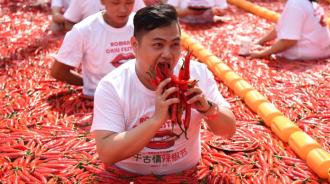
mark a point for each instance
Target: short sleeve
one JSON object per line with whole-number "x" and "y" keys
{"x": 175, "y": 3}
{"x": 108, "y": 114}
{"x": 291, "y": 23}
{"x": 73, "y": 13}
{"x": 72, "y": 50}
{"x": 209, "y": 85}
{"x": 221, "y": 4}
{"x": 138, "y": 5}
{"x": 56, "y": 3}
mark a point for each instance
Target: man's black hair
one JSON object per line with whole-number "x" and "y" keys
{"x": 153, "y": 17}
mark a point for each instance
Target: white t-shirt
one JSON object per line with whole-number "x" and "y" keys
{"x": 60, "y": 4}
{"x": 98, "y": 47}
{"x": 122, "y": 102}
{"x": 206, "y": 17}
{"x": 80, "y": 9}
{"x": 301, "y": 21}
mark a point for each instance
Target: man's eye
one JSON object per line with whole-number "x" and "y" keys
{"x": 157, "y": 44}
{"x": 115, "y": 2}
{"x": 129, "y": 2}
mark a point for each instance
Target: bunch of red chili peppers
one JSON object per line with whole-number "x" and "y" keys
{"x": 183, "y": 83}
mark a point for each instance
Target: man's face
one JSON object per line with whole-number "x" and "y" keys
{"x": 117, "y": 11}
{"x": 161, "y": 45}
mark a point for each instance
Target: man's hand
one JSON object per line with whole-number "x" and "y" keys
{"x": 196, "y": 98}
{"x": 66, "y": 73}
{"x": 258, "y": 54}
{"x": 163, "y": 102}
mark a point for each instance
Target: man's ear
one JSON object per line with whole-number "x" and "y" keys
{"x": 134, "y": 43}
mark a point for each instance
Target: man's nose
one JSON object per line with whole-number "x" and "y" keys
{"x": 166, "y": 52}
{"x": 123, "y": 9}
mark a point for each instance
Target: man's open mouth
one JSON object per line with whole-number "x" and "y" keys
{"x": 163, "y": 69}
{"x": 162, "y": 140}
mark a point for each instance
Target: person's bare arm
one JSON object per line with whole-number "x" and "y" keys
{"x": 68, "y": 25}
{"x": 65, "y": 73}
{"x": 268, "y": 37}
{"x": 277, "y": 47}
{"x": 57, "y": 15}
{"x": 220, "y": 120}
{"x": 113, "y": 147}
{"x": 182, "y": 12}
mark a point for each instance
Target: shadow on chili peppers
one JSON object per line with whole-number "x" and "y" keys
{"x": 297, "y": 66}
{"x": 73, "y": 103}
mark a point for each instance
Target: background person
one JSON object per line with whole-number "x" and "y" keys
{"x": 199, "y": 11}
{"x": 80, "y": 9}
{"x": 58, "y": 7}
{"x": 99, "y": 43}
{"x": 301, "y": 33}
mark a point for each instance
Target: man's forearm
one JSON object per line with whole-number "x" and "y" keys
{"x": 120, "y": 146}
{"x": 221, "y": 121}
{"x": 57, "y": 15}
{"x": 279, "y": 46}
{"x": 68, "y": 25}
{"x": 270, "y": 36}
{"x": 70, "y": 77}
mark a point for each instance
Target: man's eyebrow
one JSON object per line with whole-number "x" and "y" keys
{"x": 161, "y": 39}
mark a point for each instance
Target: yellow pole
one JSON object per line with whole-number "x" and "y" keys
{"x": 259, "y": 11}
{"x": 306, "y": 147}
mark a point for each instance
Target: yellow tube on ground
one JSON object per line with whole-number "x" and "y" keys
{"x": 219, "y": 69}
{"x": 241, "y": 87}
{"x": 231, "y": 78}
{"x": 283, "y": 127}
{"x": 319, "y": 161}
{"x": 253, "y": 99}
{"x": 255, "y": 9}
{"x": 302, "y": 143}
{"x": 259, "y": 11}
{"x": 268, "y": 112}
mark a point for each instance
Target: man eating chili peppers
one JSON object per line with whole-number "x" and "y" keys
{"x": 136, "y": 115}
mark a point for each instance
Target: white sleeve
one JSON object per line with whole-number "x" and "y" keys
{"x": 56, "y": 3}
{"x": 291, "y": 23}
{"x": 73, "y": 13}
{"x": 138, "y": 5}
{"x": 174, "y": 3}
{"x": 72, "y": 50}
{"x": 210, "y": 88}
{"x": 221, "y": 4}
{"x": 108, "y": 114}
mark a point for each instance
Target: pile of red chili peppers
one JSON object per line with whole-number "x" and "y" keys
{"x": 44, "y": 124}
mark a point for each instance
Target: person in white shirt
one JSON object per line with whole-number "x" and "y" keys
{"x": 98, "y": 44}
{"x": 301, "y": 33}
{"x": 131, "y": 123}
{"x": 80, "y": 9}
{"x": 154, "y": 2}
{"x": 199, "y": 11}
{"x": 58, "y": 7}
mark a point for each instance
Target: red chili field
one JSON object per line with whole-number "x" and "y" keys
{"x": 44, "y": 124}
